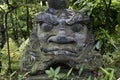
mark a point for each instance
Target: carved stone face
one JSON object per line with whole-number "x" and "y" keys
{"x": 60, "y": 34}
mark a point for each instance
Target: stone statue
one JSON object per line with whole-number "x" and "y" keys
{"x": 63, "y": 36}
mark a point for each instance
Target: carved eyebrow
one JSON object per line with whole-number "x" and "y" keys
{"x": 78, "y": 18}
{"x": 47, "y": 18}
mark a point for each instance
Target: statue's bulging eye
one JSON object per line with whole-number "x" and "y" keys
{"x": 76, "y": 27}
{"x": 46, "y": 27}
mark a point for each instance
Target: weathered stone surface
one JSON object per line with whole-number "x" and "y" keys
{"x": 61, "y": 36}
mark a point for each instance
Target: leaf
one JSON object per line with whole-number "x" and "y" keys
{"x": 95, "y": 78}
{"x": 23, "y": 45}
{"x": 111, "y": 74}
{"x": 117, "y": 28}
{"x": 104, "y": 70}
{"x": 89, "y": 78}
{"x": 27, "y": 73}
{"x": 99, "y": 44}
{"x": 111, "y": 77}
{"x": 112, "y": 42}
{"x": 78, "y": 1}
{"x": 81, "y": 69}
{"x": 55, "y": 79}
{"x": 12, "y": 74}
{"x": 52, "y": 71}
{"x": 69, "y": 72}
{"x": 62, "y": 75}
{"x": 48, "y": 73}
{"x": 20, "y": 77}
{"x": 57, "y": 76}
{"x": 57, "y": 70}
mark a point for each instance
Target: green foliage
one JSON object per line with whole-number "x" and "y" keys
{"x": 75, "y": 77}
{"x": 17, "y": 23}
{"x": 11, "y": 75}
{"x": 106, "y": 39}
{"x": 57, "y": 75}
{"x": 15, "y": 54}
{"x": 104, "y": 22}
{"x": 81, "y": 70}
{"x": 54, "y": 74}
{"x": 104, "y": 74}
{"x": 89, "y": 78}
{"x": 108, "y": 74}
{"x": 22, "y": 77}
{"x": 14, "y": 75}
{"x": 23, "y": 45}
{"x": 69, "y": 72}
{"x": 12, "y": 44}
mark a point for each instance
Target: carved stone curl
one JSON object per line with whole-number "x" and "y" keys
{"x": 61, "y": 35}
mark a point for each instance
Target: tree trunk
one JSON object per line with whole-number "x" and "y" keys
{"x": 2, "y": 32}
{"x": 7, "y": 40}
{"x": 27, "y": 19}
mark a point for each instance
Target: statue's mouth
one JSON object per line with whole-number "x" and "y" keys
{"x": 57, "y": 51}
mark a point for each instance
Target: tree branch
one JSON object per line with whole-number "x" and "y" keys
{"x": 10, "y": 9}
{"x": 107, "y": 12}
{"x": 105, "y": 3}
{"x": 2, "y": 9}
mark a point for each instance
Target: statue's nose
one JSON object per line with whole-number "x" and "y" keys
{"x": 61, "y": 34}
{"x": 61, "y": 38}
